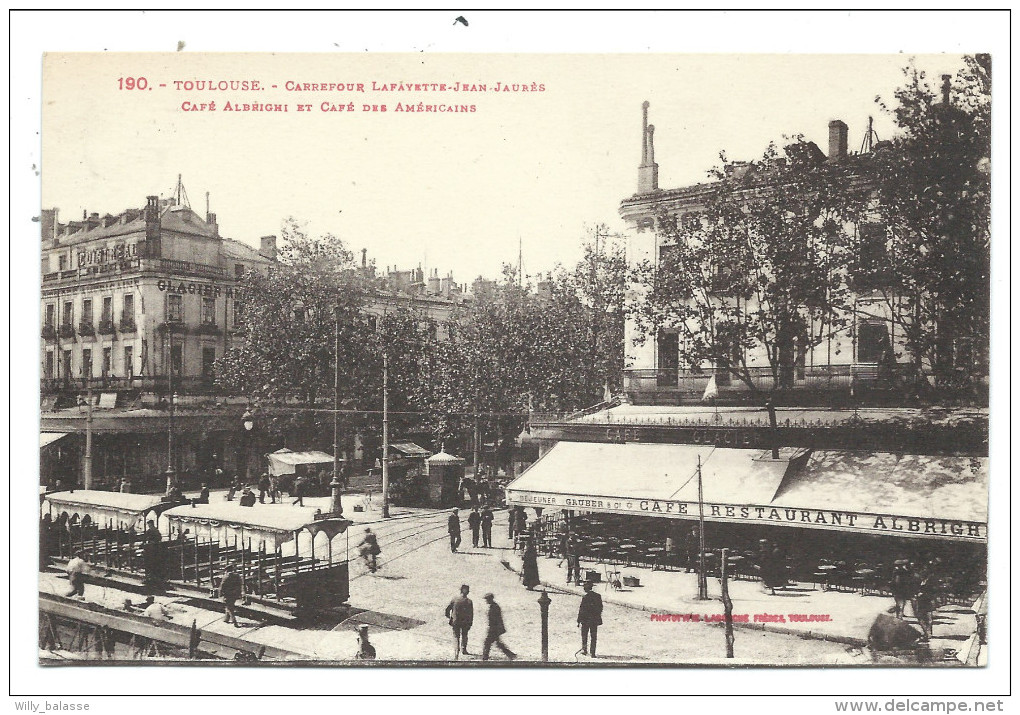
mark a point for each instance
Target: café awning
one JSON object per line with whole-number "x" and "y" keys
{"x": 48, "y": 438}
{"x": 901, "y": 495}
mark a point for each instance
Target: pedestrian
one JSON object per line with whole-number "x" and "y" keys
{"x": 152, "y": 545}
{"x": 924, "y": 602}
{"x": 573, "y": 557}
{"x": 366, "y": 651}
{"x": 76, "y": 570}
{"x": 529, "y": 574}
{"x": 453, "y": 529}
{"x": 155, "y": 611}
{"x": 203, "y": 495}
{"x": 512, "y": 517}
{"x": 299, "y": 491}
{"x": 693, "y": 546}
{"x": 125, "y": 486}
{"x": 487, "y": 519}
{"x": 520, "y": 524}
{"x": 45, "y": 541}
{"x": 247, "y": 498}
{"x": 369, "y": 549}
{"x": 902, "y": 585}
{"x": 234, "y": 486}
{"x": 589, "y": 618}
{"x": 495, "y": 630}
{"x": 475, "y": 522}
{"x": 264, "y": 487}
{"x": 230, "y": 591}
{"x": 461, "y": 613}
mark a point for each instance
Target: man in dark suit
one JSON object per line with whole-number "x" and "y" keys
{"x": 453, "y": 529}
{"x": 475, "y": 522}
{"x": 487, "y": 519}
{"x": 589, "y": 618}
{"x": 495, "y": 630}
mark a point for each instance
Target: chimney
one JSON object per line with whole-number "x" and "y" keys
{"x": 268, "y": 249}
{"x": 648, "y": 171}
{"x": 837, "y": 140}
{"x": 434, "y": 284}
{"x": 48, "y": 224}
{"x": 92, "y": 222}
{"x": 364, "y": 259}
{"x": 152, "y": 233}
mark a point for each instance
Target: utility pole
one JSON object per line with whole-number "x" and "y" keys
{"x": 702, "y": 576}
{"x": 171, "y": 473}
{"x": 385, "y": 435}
{"x": 336, "y": 507}
{"x": 727, "y": 604}
{"x": 87, "y": 466}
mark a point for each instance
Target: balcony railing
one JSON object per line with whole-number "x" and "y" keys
{"x": 173, "y": 326}
{"x": 127, "y": 324}
{"x": 820, "y": 377}
{"x": 106, "y": 327}
{"x": 49, "y": 332}
{"x": 161, "y": 265}
{"x": 208, "y": 329}
{"x": 66, "y": 330}
{"x": 182, "y": 385}
{"x": 86, "y": 328}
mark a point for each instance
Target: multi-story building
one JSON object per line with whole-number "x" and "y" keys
{"x": 866, "y": 352}
{"x": 140, "y": 299}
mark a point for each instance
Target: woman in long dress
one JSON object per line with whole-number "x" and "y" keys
{"x": 530, "y": 574}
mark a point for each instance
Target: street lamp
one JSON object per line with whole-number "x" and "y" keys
{"x": 86, "y": 402}
{"x": 249, "y": 424}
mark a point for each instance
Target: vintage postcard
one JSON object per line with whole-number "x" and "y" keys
{"x": 486, "y": 360}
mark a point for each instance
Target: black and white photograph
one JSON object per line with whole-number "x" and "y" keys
{"x": 555, "y": 360}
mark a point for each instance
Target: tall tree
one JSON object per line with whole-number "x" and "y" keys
{"x": 759, "y": 269}
{"x": 934, "y": 196}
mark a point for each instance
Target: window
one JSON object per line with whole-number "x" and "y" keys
{"x": 108, "y": 309}
{"x": 86, "y": 311}
{"x": 239, "y": 270}
{"x": 177, "y": 359}
{"x": 68, "y": 316}
{"x": 48, "y": 365}
{"x": 51, "y": 311}
{"x": 62, "y": 262}
{"x": 129, "y": 361}
{"x": 86, "y": 362}
{"x": 67, "y": 364}
{"x": 872, "y": 342}
{"x": 668, "y": 353}
{"x": 107, "y": 361}
{"x": 208, "y": 358}
{"x": 208, "y": 311}
{"x": 175, "y": 309}
{"x": 127, "y": 314}
{"x": 238, "y": 313}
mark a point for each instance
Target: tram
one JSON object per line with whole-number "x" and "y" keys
{"x": 142, "y": 541}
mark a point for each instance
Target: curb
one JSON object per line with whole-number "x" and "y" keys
{"x": 807, "y": 635}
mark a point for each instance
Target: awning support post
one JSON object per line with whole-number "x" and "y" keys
{"x": 702, "y": 576}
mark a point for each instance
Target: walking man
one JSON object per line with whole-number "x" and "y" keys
{"x": 299, "y": 491}
{"x": 570, "y": 553}
{"x": 461, "y": 613}
{"x": 487, "y": 519}
{"x": 230, "y": 591}
{"x": 589, "y": 618}
{"x": 475, "y": 522}
{"x": 369, "y": 548}
{"x": 264, "y": 488}
{"x": 453, "y": 528}
{"x": 495, "y": 630}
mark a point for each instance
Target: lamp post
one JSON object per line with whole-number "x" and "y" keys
{"x": 385, "y": 436}
{"x": 543, "y": 604}
{"x": 248, "y": 421}
{"x": 171, "y": 473}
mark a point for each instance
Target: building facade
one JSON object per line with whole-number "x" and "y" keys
{"x": 140, "y": 300}
{"x": 865, "y": 353}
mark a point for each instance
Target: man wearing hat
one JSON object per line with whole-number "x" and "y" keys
{"x": 495, "y": 630}
{"x": 461, "y": 613}
{"x": 589, "y": 618}
{"x": 453, "y": 528}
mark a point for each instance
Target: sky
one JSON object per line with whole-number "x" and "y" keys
{"x": 455, "y": 192}
{"x": 525, "y": 174}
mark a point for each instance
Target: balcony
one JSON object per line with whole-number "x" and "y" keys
{"x": 208, "y": 328}
{"x": 106, "y": 327}
{"x": 127, "y": 324}
{"x": 86, "y": 329}
{"x": 175, "y": 267}
{"x": 176, "y": 327}
{"x": 49, "y": 332}
{"x": 66, "y": 330}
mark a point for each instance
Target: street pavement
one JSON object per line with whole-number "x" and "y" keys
{"x": 403, "y": 604}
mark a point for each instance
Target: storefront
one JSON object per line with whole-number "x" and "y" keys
{"x": 825, "y": 504}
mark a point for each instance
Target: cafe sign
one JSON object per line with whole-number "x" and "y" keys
{"x": 861, "y": 522}
{"x": 108, "y": 254}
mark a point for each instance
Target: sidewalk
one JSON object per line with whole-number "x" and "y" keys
{"x": 804, "y": 610}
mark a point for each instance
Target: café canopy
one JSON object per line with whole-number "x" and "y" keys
{"x": 923, "y": 496}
